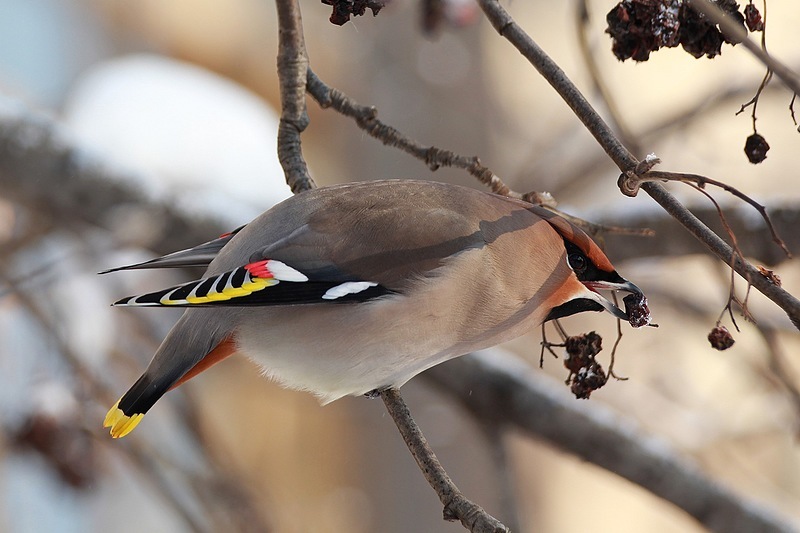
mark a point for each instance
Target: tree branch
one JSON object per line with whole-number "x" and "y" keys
{"x": 292, "y": 67}
{"x": 630, "y": 183}
{"x": 508, "y": 28}
{"x": 456, "y": 506}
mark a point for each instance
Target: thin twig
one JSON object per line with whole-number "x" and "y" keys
{"x": 755, "y": 99}
{"x": 595, "y": 230}
{"x": 615, "y": 116}
{"x": 614, "y": 348}
{"x": 367, "y": 119}
{"x": 776, "y": 362}
{"x": 546, "y": 345}
{"x": 737, "y": 255}
{"x": 100, "y": 390}
{"x": 767, "y": 75}
{"x": 456, "y": 506}
{"x": 631, "y": 180}
{"x": 292, "y": 67}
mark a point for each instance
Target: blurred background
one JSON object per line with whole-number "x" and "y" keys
{"x": 177, "y": 101}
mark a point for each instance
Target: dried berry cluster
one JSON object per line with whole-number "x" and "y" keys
{"x": 343, "y": 9}
{"x": 585, "y": 372}
{"x": 639, "y": 27}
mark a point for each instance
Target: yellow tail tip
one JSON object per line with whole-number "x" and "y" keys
{"x": 120, "y": 423}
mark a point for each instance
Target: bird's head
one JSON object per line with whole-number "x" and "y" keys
{"x": 591, "y": 272}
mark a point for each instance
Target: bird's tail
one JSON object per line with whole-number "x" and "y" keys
{"x": 129, "y": 410}
{"x": 181, "y": 356}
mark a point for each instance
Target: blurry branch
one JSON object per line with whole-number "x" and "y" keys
{"x": 626, "y": 162}
{"x": 292, "y": 66}
{"x": 503, "y": 467}
{"x": 754, "y": 239}
{"x": 630, "y": 183}
{"x": 738, "y": 34}
{"x": 456, "y": 506}
{"x": 705, "y": 104}
{"x": 41, "y": 167}
{"x": 780, "y": 369}
{"x": 617, "y": 123}
{"x": 504, "y": 389}
{"x": 366, "y": 118}
{"x": 136, "y": 451}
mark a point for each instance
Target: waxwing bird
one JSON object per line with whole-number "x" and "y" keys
{"x": 353, "y": 288}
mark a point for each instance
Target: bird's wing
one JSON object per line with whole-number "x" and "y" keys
{"x": 260, "y": 283}
{"x": 385, "y": 232}
{"x": 197, "y": 256}
{"x": 348, "y": 244}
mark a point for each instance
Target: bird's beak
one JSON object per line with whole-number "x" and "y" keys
{"x": 609, "y": 306}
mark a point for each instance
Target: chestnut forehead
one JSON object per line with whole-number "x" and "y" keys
{"x": 585, "y": 244}
{"x": 593, "y": 252}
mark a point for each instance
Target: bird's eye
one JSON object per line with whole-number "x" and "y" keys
{"x": 578, "y": 263}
